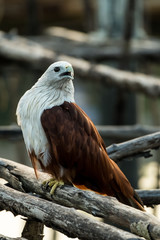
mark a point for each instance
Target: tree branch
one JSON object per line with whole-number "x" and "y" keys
{"x": 150, "y": 197}
{"x": 65, "y": 220}
{"x": 78, "y": 44}
{"x": 120, "y": 133}
{"x": 106, "y": 207}
{"x": 134, "y": 146}
{"x": 40, "y": 57}
{"x": 11, "y": 132}
{"x": 33, "y": 228}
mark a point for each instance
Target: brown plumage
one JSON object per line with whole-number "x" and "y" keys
{"x": 61, "y": 138}
{"x": 78, "y": 155}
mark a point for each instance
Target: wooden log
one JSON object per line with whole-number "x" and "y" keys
{"x": 33, "y": 228}
{"x": 134, "y": 146}
{"x": 21, "y": 49}
{"x": 122, "y": 133}
{"x": 150, "y": 197}
{"x": 78, "y": 44}
{"x": 40, "y": 57}
{"x": 135, "y": 82}
{"x": 11, "y": 132}
{"x": 108, "y": 208}
{"x": 63, "y": 219}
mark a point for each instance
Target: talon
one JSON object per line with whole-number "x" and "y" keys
{"x": 45, "y": 184}
{"x": 52, "y": 184}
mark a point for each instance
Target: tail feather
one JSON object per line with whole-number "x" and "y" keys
{"x": 130, "y": 199}
{"x": 123, "y": 190}
{"x": 136, "y": 202}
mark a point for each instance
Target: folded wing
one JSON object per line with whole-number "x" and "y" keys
{"x": 78, "y": 154}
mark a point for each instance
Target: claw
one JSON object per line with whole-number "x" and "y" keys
{"x": 52, "y": 184}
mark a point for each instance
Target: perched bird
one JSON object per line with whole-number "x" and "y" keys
{"x": 64, "y": 142}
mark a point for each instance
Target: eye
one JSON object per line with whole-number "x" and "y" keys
{"x": 57, "y": 69}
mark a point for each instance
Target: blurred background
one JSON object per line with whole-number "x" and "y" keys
{"x": 124, "y": 34}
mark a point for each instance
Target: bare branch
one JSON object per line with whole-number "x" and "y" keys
{"x": 33, "y": 228}
{"x": 106, "y": 207}
{"x": 150, "y": 197}
{"x": 10, "y": 132}
{"x": 40, "y": 57}
{"x": 134, "y": 146}
{"x": 65, "y": 220}
{"x": 78, "y": 44}
{"x": 119, "y": 133}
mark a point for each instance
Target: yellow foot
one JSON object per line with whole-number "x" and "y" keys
{"x": 52, "y": 184}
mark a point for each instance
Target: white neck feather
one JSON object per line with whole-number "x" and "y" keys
{"x": 54, "y": 95}
{"x": 29, "y": 111}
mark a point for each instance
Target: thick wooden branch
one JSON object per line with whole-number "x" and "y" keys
{"x": 135, "y": 82}
{"x": 78, "y": 44}
{"x": 134, "y": 146}
{"x": 33, "y": 228}
{"x": 120, "y": 133}
{"x": 23, "y": 179}
{"x": 23, "y": 50}
{"x": 11, "y": 132}
{"x": 63, "y": 219}
{"x": 17, "y": 48}
{"x": 150, "y": 197}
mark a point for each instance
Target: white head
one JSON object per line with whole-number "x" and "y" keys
{"x": 53, "y": 88}
{"x": 57, "y": 74}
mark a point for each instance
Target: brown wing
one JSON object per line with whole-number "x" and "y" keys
{"x": 78, "y": 148}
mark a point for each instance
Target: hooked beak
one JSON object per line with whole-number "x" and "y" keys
{"x": 68, "y": 73}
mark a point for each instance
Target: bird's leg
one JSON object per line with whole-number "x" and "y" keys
{"x": 52, "y": 184}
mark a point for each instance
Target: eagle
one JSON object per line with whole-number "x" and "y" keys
{"x": 63, "y": 141}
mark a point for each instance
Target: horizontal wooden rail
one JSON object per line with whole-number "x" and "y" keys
{"x": 132, "y": 148}
{"x": 20, "y": 49}
{"x": 108, "y": 132}
{"x": 82, "y": 45}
